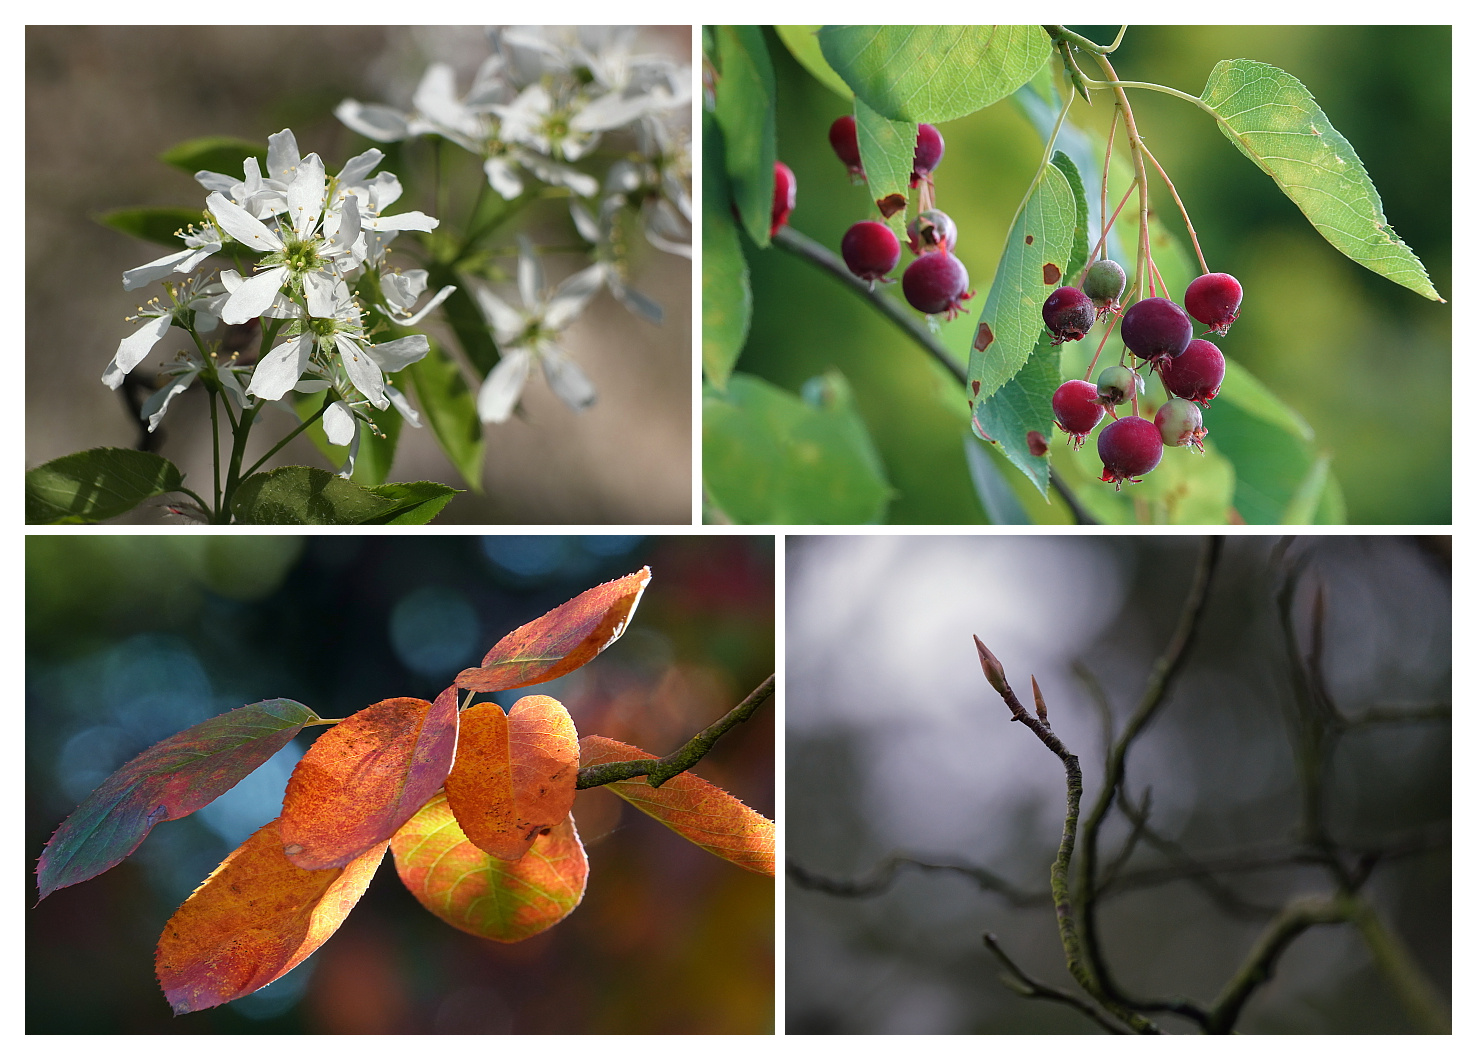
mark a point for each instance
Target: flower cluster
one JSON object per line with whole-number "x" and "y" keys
{"x": 536, "y": 110}
{"x": 311, "y": 239}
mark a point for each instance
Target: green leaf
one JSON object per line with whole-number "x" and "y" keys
{"x": 996, "y": 497}
{"x": 1021, "y": 406}
{"x": 1273, "y": 119}
{"x": 451, "y": 409}
{"x": 771, "y": 457}
{"x": 728, "y": 302}
{"x": 306, "y": 496}
{"x": 461, "y": 312}
{"x": 168, "y": 781}
{"x": 887, "y": 157}
{"x": 1302, "y": 508}
{"x": 1078, "y": 261}
{"x": 745, "y": 112}
{"x": 934, "y": 73}
{"x": 376, "y": 454}
{"x": 1244, "y": 390}
{"x": 805, "y": 46}
{"x": 1188, "y": 488}
{"x": 1038, "y": 249}
{"x": 96, "y": 484}
{"x": 219, "y": 154}
{"x": 416, "y": 503}
{"x": 157, "y": 224}
{"x": 1270, "y": 462}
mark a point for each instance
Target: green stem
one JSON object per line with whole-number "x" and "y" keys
{"x": 1079, "y": 41}
{"x": 1422, "y": 1003}
{"x": 328, "y": 399}
{"x": 215, "y": 446}
{"x": 660, "y": 770}
{"x": 238, "y": 452}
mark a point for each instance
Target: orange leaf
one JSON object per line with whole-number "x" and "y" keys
{"x": 562, "y": 641}
{"x": 255, "y": 918}
{"x": 506, "y": 901}
{"x": 366, "y": 777}
{"x": 691, "y": 807}
{"x": 514, "y": 773}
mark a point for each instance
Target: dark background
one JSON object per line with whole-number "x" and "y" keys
{"x": 1366, "y": 363}
{"x": 130, "y": 639}
{"x": 102, "y": 102}
{"x": 895, "y": 743}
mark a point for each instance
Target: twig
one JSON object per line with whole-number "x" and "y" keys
{"x": 881, "y": 877}
{"x": 660, "y": 770}
{"x": 1027, "y": 986}
{"x": 1297, "y": 917}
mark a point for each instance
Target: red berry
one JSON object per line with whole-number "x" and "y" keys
{"x": 843, "y": 142}
{"x": 1068, "y": 313}
{"x": 1180, "y": 423}
{"x": 927, "y": 153}
{"x": 1214, "y": 299}
{"x": 1077, "y": 409}
{"x": 784, "y": 197}
{"x": 1156, "y": 329}
{"x": 1195, "y": 374}
{"x": 936, "y": 283}
{"x": 1129, "y": 447}
{"x": 931, "y": 230}
{"x": 870, "y": 250}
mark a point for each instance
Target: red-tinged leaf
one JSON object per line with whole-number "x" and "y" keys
{"x": 366, "y": 777}
{"x": 691, "y": 807}
{"x": 170, "y": 780}
{"x": 506, "y": 901}
{"x": 563, "y": 640}
{"x": 255, "y": 918}
{"x": 514, "y": 773}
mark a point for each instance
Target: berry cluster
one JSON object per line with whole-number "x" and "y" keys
{"x": 1159, "y": 333}
{"x": 935, "y": 281}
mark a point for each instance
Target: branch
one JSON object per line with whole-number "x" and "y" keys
{"x": 1297, "y": 917}
{"x": 1027, "y": 986}
{"x": 882, "y": 876}
{"x": 660, "y": 770}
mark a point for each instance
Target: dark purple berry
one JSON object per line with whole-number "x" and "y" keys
{"x": 1180, "y": 423}
{"x": 1156, "y": 329}
{"x": 1068, "y": 313}
{"x": 1197, "y": 373}
{"x": 843, "y": 142}
{"x": 1129, "y": 448}
{"x": 1117, "y": 383}
{"x": 870, "y": 250}
{"x": 1077, "y": 409}
{"x": 1104, "y": 284}
{"x": 784, "y": 197}
{"x": 936, "y": 283}
{"x": 1214, "y": 299}
{"x": 930, "y": 231}
{"x": 927, "y": 153}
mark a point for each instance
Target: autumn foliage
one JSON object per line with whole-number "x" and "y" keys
{"x": 473, "y": 802}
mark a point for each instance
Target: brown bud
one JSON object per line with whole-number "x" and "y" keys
{"x": 1040, "y": 703}
{"x": 994, "y": 672}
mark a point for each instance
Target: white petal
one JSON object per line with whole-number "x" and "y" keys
{"x": 279, "y": 371}
{"x": 215, "y": 181}
{"x": 503, "y": 386}
{"x": 305, "y": 196}
{"x": 397, "y": 353}
{"x": 363, "y": 372}
{"x": 153, "y": 410}
{"x": 585, "y": 222}
{"x": 420, "y": 314}
{"x": 339, "y": 424}
{"x": 611, "y": 112}
{"x": 282, "y": 156}
{"x": 241, "y": 225}
{"x": 348, "y": 468}
{"x": 410, "y": 221}
{"x": 573, "y": 295}
{"x": 530, "y": 274}
{"x": 360, "y": 166}
{"x": 157, "y": 269}
{"x": 502, "y": 178}
{"x": 254, "y": 297}
{"x": 582, "y": 184}
{"x": 372, "y": 120}
{"x": 319, "y": 289}
{"x": 567, "y": 379}
{"x": 403, "y": 406}
{"x": 135, "y": 348}
{"x": 506, "y": 321}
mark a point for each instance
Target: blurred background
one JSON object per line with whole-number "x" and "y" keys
{"x": 895, "y": 743}
{"x": 130, "y": 639}
{"x": 102, "y": 102}
{"x": 1366, "y": 363}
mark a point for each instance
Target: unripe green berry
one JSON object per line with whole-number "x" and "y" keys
{"x": 1105, "y": 282}
{"x": 1117, "y": 383}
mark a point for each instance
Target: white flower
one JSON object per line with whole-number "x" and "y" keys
{"x": 199, "y": 245}
{"x": 402, "y": 290}
{"x": 531, "y": 334}
{"x": 610, "y": 254}
{"x": 193, "y": 295}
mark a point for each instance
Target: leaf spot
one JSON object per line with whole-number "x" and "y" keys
{"x": 292, "y": 849}
{"x": 983, "y": 336}
{"x": 1050, "y": 274}
{"x": 891, "y": 204}
{"x": 1036, "y": 442}
{"x": 1030, "y": 240}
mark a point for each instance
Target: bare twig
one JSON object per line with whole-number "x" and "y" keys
{"x": 660, "y": 770}
{"x": 881, "y": 877}
{"x": 1028, "y": 986}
